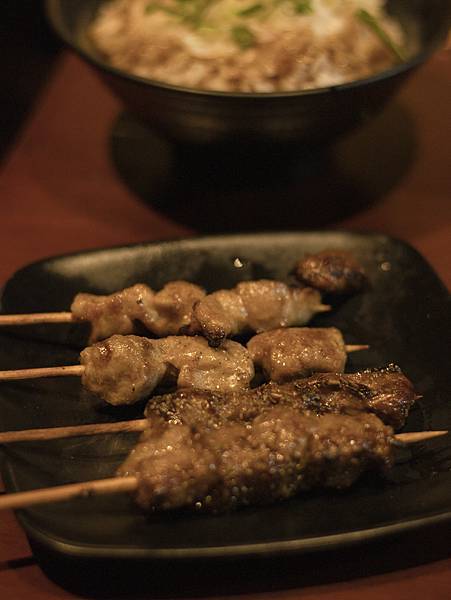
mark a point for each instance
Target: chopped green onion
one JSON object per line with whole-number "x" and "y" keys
{"x": 303, "y": 7}
{"x": 250, "y": 10}
{"x": 373, "y": 24}
{"x": 243, "y": 36}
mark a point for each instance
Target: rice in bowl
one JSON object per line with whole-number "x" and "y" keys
{"x": 249, "y": 45}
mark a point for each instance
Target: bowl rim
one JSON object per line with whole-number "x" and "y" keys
{"x": 52, "y": 7}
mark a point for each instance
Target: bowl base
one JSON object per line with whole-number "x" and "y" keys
{"x": 226, "y": 187}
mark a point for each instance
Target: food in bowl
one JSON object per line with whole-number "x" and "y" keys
{"x": 249, "y": 45}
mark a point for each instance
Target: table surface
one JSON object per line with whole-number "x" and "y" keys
{"x": 64, "y": 188}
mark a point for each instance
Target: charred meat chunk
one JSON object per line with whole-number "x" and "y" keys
{"x": 332, "y": 272}
{"x": 386, "y": 393}
{"x": 272, "y": 457}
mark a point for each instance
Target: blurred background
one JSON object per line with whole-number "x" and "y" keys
{"x": 28, "y": 51}
{"x": 77, "y": 140}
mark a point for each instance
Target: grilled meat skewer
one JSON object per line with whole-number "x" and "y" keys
{"x": 126, "y": 369}
{"x": 250, "y": 306}
{"x": 385, "y": 392}
{"x": 272, "y": 458}
{"x": 163, "y": 313}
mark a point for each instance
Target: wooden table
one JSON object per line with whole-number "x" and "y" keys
{"x": 61, "y": 192}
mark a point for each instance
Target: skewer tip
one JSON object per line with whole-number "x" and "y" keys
{"x": 418, "y": 436}
{"x": 323, "y": 308}
{"x": 356, "y": 347}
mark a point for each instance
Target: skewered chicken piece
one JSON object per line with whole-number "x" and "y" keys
{"x": 385, "y": 392}
{"x": 285, "y": 354}
{"x": 126, "y": 369}
{"x": 253, "y": 306}
{"x": 331, "y": 271}
{"x": 163, "y": 313}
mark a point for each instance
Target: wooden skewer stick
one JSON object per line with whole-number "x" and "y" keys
{"x": 355, "y": 347}
{"x": 77, "y": 370}
{"x": 54, "y": 433}
{"x": 418, "y": 436}
{"x": 319, "y": 308}
{"x": 115, "y": 485}
{"x": 68, "y": 317}
{"x": 36, "y": 318}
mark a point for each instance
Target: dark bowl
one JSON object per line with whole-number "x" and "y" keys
{"x": 313, "y": 116}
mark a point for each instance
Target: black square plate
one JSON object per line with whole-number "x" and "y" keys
{"x": 404, "y": 316}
